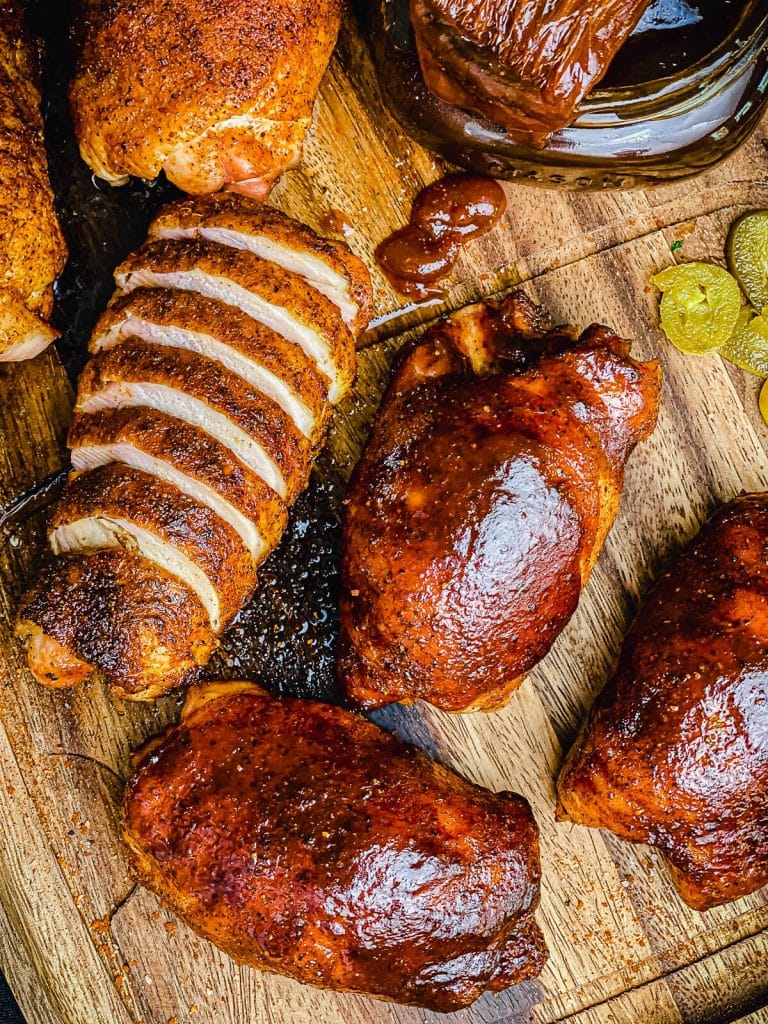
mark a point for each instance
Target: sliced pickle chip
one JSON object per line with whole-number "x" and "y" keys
{"x": 764, "y": 401}
{"x": 748, "y": 256}
{"x": 699, "y": 307}
{"x": 747, "y": 347}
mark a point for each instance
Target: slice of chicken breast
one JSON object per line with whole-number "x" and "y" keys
{"x": 119, "y": 505}
{"x": 200, "y": 391}
{"x": 112, "y": 610}
{"x": 269, "y": 294}
{"x": 328, "y": 266}
{"x": 263, "y": 358}
{"x": 185, "y": 455}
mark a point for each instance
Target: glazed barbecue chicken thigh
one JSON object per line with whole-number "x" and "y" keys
{"x": 675, "y": 751}
{"x": 214, "y": 371}
{"x": 302, "y": 839}
{"x": 217, "y": 94}
{"x": 32, "y": 250}
{"x": 476, "y": 513}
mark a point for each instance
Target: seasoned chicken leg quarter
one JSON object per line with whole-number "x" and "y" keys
{"x": 216, "y": 93}
{"x": 302, "y": 839}
{"x": 675, "y": 752}
{"x": 482, "y": 499}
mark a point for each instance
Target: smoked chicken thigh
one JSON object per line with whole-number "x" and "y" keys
{"x": 197, "y": 419}
{"x": 476, "y": 513}
{"x": 216, "y": 93}
{"x": 304, "y": 840}
{"x": 522, "y": 63}
{"x": 675, "y": 751}
{"x": 32, "y": 252}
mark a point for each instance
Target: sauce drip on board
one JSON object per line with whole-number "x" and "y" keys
{"x": 336, "y": 222}
{"x": 444, "y": 216}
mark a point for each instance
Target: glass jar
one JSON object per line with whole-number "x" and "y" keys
{"x": 629, "y": 136}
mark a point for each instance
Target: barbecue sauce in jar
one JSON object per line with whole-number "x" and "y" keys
{"x": 685, "y": 90}
{"x": 444, "y": 216}
{"x": 671, "y": 36}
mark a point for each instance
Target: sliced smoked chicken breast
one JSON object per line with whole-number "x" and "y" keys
{"x": 216, "y": 94}
{"x": 268, "y": 293}
{"x": 200, "y": 391}
{"x": 259, "y": 354}
{"x": 304, "y": 840}
{"x": 195, "y": 425}
{"x": 185, "y": 455}
{"x": 327, "y": 265}
{"x": 32, "y": 250}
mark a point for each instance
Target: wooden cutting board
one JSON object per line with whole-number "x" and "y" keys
{"x": 79, "y": 942}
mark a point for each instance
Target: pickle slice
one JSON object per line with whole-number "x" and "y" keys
{"x": 699, "y": 307}
{"x": 748, "y": 256}
{"x": 764, "y": 402}
{"x": 747, "y": 347}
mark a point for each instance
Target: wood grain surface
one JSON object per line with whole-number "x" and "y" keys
{"x": 80, "y": 943}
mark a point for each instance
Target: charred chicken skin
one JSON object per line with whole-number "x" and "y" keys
{"x": 304, "y": 840}
{"x": 214, "y": 371}
{"x": 522, "y": 63}
{"x": 483, "y": 497}
{"x": 216, "y": 94}
{"x": 674, "y": 752}
{"x": 32, "y": 252}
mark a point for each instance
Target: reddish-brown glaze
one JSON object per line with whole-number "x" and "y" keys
{"x": 304, "y": 840}
{"x": 335, "y": 222}
{"x": 464, "y": 206}
{"x": 522, "y": 63}
{"x": 445, "y": 215}
{"x": 481, "y": 503}
{"x": 412, "y": 254}
{"x": 675, "y": 752}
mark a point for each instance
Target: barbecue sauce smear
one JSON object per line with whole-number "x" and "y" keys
{"x": 444, "y": 216}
